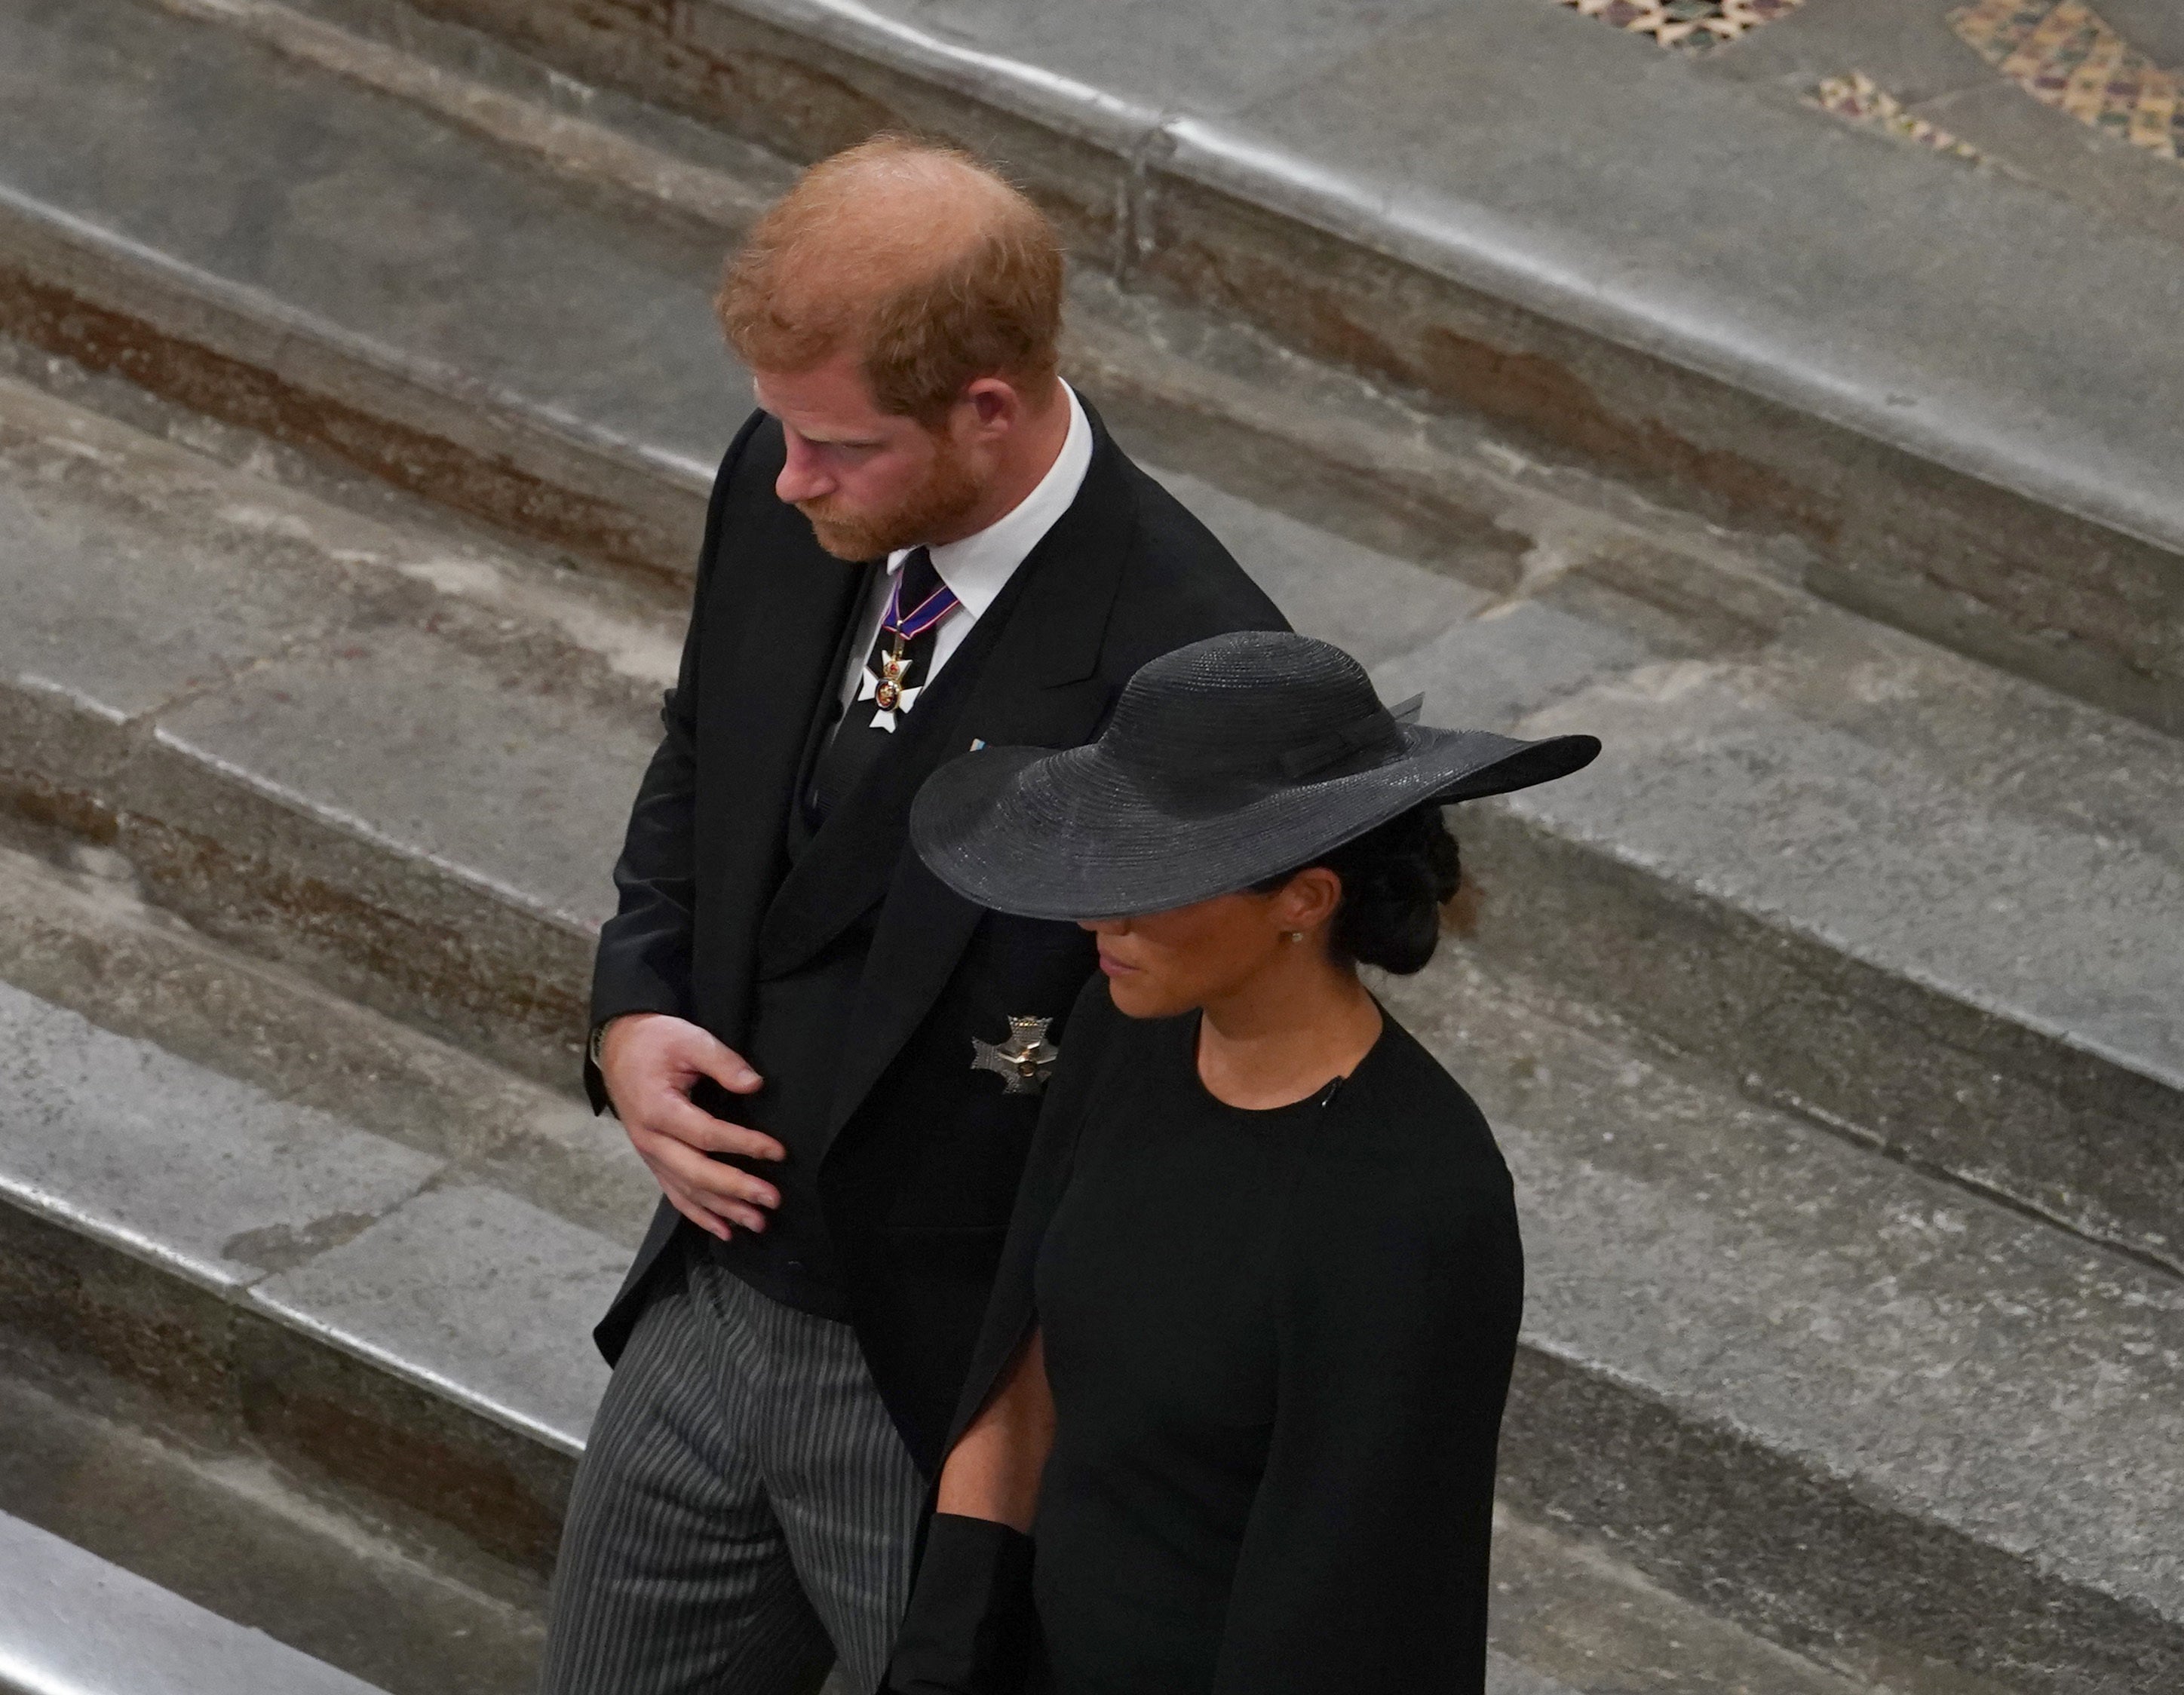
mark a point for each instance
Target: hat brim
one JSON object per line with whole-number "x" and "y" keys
{"x": 1076, "y": 835}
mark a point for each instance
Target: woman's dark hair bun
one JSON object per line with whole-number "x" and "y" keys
{"x": 1395, "y": 880}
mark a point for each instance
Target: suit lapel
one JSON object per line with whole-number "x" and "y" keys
{"x": 823, "y": 703}
{"x": 1039, "y": 686}
{"x": 843, "y": 870}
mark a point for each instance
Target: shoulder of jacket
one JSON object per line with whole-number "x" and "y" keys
{"x": 758, "y": 451}
{"x": 1179, "y": 585}
{"x": 1408, "y": 1122}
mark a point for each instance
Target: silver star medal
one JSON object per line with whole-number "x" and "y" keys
{"x": 888, "y": 689}
{"x": 1024, "y": 1060}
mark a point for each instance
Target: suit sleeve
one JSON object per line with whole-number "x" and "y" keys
{"x": 643, "y": 963}
{"x": 1364, "y": 1564}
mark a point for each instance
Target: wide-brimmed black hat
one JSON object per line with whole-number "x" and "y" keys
{"x": 1226, "y": 763}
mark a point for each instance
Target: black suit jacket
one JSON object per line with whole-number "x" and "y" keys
{"x": 921, "y": 1155}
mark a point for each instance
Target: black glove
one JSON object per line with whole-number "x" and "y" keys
{"x": 970, "y": 1629}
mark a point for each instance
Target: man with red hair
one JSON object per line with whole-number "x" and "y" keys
{"x": 923, "y": 542}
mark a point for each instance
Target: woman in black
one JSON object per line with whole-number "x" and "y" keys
{"x": 1243, "y": 1372}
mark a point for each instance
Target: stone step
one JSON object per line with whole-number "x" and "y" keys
{"x": 394, "y": 757}
{"x": 77, "y": 1625}
{"x": 350, "y": 1348}
{"x": 264, "y": 1545}
{"x": 295, "y": 1311}
{"x": 356, "y": 1246}
{"x": 293, "y": 307}
{"x": 1507, "y": 211}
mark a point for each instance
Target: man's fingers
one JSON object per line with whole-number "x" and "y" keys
{"x": 672, "y": 1114}
{"x": 699, "y": 1209}
{"x": 707, "y": 1181}
{"x": 697, "y": 1214}
{"x": 712, "y": 1214}
{"x": 714, "y": 1219}
{"x": 644, "y": 1053}
{"x": 708, "y": 1054}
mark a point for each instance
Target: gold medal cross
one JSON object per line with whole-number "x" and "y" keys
{"x": 1023, "y": 1061}
{"x": 887, "y": 692}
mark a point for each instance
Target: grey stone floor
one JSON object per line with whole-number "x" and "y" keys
{"x": 77, "y": 1625}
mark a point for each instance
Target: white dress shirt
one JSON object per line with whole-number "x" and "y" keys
{"x": 978, "y": 567}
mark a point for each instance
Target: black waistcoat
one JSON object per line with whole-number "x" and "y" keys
{"x": 801, "y": 1021}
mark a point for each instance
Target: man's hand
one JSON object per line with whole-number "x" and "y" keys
{"x": 650, "y": 1062}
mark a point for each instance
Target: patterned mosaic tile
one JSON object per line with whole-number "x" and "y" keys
{"x": 2062, "y": 53}
{"x": 1691, "y": 25}
{"x": 1859, "y": 98}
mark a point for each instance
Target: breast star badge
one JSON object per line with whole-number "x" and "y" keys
{"x": 1024, "y": 1060}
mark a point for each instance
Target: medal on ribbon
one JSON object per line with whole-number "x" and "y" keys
{"x": 889, "y": 689}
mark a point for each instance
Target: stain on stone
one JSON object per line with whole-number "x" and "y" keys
{"x": 235, "y": 391}
{"x": 72, "y": 1294}
{"x": 281, "y": 1248}
{"x": 1537, "y": 394}
{"x": 705, "y": 61}
{"x": 39, "y": 801}
{"x": 393, "y": 1443}
{"x": 1316, "y": 301}
{"x": 517, "y": 999}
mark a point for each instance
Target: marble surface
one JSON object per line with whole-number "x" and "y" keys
{"x": 371, "y": 216}
{"x": 475, "y": 1293}
{"x": 208, "y": 1176}
{"x": 78, "y": 1626}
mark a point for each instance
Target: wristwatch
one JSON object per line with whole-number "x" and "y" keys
{"x": 598, "y": 1046}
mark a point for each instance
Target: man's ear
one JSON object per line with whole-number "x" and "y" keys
{"x": 995, "y": 403}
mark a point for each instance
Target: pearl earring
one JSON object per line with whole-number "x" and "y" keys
{"x": 1296, "y": 936}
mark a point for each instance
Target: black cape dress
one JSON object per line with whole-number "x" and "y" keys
{"x": 1280, "y": 1343}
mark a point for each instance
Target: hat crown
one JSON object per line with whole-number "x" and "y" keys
{"x": 1252, "y": 704}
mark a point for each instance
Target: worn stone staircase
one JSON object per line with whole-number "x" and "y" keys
{"x": 358, "y": 401}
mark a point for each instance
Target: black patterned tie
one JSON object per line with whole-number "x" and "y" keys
{"x": 857, "y": 745}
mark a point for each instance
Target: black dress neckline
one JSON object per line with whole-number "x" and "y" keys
{"x": 1321, "y": 1097}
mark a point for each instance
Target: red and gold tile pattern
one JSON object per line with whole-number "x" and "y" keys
{"x": 1858, "y": 97}
{"x": 2064, "y": 54}
{"x": 1691, "y": 25}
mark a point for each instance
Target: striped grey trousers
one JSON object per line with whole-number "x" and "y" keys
{"x": 744, "y": 1510}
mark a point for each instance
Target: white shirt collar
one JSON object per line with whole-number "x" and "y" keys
{"x": 979, "y": 566}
